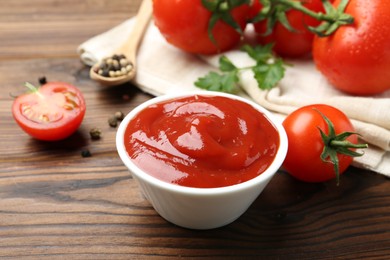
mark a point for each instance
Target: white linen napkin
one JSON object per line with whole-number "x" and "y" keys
{"x": 164, "y": 69}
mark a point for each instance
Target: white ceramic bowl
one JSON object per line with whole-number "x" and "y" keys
{"x": 200, "y": 208}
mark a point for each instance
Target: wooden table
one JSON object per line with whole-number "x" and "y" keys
{"x": 56, "y": 204}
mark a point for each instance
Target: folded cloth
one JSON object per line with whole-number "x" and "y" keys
{"x": 164, "y": 69}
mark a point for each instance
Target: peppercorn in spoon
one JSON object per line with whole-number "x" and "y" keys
{"x": 121, "y": 67}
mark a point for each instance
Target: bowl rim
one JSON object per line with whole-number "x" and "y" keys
{"x": 269, "y": 172}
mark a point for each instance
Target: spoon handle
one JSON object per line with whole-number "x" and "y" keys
{"x": 130, "y": 46}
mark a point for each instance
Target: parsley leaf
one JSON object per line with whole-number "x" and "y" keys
{"x": 268, "y": 75}
{"x": 219, "y": 82}
{"x": 226, "y": 65}
{"x": 268, "y": 71}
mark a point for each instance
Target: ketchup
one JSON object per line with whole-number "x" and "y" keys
{"x": 202, "y": 141}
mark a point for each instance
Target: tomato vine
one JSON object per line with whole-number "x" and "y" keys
{"x": 274, "y": 11}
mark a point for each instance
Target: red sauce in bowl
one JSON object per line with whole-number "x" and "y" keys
{"x": 202, "y": 141}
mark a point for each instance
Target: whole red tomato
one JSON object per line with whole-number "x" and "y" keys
{"x": 305, "y": 144}
{"x": 52, "y": 112}
{"x": 184, "y": 24}
{"x": 291, "y": 44}
{"x": 356, "y": 58}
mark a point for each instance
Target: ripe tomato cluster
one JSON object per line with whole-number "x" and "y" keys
{"x": 355, "y": 58}
{"x": 322, "y": 140}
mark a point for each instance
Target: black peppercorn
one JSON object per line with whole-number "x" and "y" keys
{"x": 119, "y": 115}
{"x": 42, "y": 80}
{"x": 115, "y": 66}
{"x": 86, "y": 153}
{"x": 113, "y": 121}
{"x": 95, "y": 133}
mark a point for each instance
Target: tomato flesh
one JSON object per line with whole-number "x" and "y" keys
{"x": 305, "y": 144}
{"x": 52, "y": 113}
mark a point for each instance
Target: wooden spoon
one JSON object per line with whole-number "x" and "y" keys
{"x": 128, "y": 49}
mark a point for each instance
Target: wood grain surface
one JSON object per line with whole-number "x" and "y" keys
{"x": 55, "y": 204}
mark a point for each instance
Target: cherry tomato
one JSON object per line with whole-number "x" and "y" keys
{"x": 291, "y": 44}
{"x": 51, "y": 112}
{"x": 305, "y": 144}
{"x": 184, "y": 24}
{"x": 356, "y": 58}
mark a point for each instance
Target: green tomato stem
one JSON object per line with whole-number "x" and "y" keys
{"x": 329, "y": 17}
{"x": 33, "y": 89}
{"x": 346, "y": 144}
{"x": 298, "y": 6}
{"x": 223, "y": 7}
{"x": 336, "y": 144}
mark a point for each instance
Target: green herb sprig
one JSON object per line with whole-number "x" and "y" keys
{"x": 268, "y": 71}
